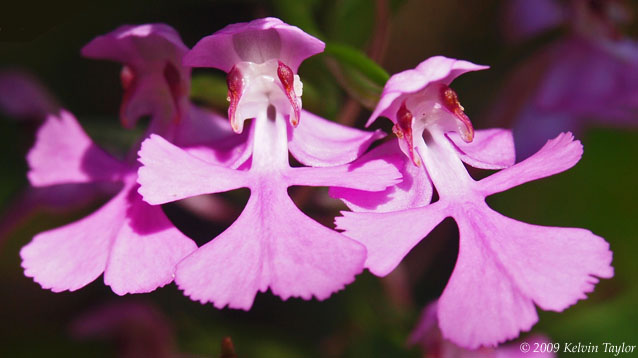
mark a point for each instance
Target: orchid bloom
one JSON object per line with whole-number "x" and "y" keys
{"x": 504, "y": 266}
{"x": 428, "y": 335}
{"x": 588, "y": 75}
{"x": 134, "y": 244}
{"x": 272, "y": 244}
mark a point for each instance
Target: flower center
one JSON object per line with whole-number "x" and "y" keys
{"x": 252, "y": 87}
{"x": 435, "y": 108}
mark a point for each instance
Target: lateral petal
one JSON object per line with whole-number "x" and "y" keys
{"x": 318, "y": 142}
{"x": 388, "y": 237}
{"x": 414, "y": 190}
{"x": 557, "y": 155}
{"x": 490, "y": 149}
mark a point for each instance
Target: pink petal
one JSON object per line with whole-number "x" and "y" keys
{"x": 388, "y": 237}
{"x": 505, "y": 266}
{"x": 591, "y": 79}
{"x": 208, "y": 136}
{"x": 437, "y": 69}
{"x": 370, "y": 175}
{"x": 137, "y": 44}
{"x": 63, "y": 153}
{"x": 256, "y": 41}
{"x": 523, "y": 19}
{"x": 490, "y": 149}
{"x": 70, "y": 257}
{"x": 271, "y": 245}
{"x": 318, "y": 142}
{"x": 169, "y": 173}
{"x": 414, "y": 190}
{"x": 146, "y": 250}
{"x": 558, "y": 154}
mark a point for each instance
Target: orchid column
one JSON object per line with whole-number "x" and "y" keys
{"x": 272, "y": 244}
{"x": 504, "y": 266}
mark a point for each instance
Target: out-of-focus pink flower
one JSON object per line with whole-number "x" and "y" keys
{"x": 22, "y": 96}
{"x": 589, "y": 75}
{"x": 504, "y": 266}
{"x": 272, "y": 244}
{"x": 132, "y": 243}
{"x": 427, "y": 335}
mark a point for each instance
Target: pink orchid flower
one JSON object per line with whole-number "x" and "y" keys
{"x": 132, "y": 243}
{"x": 272, "y": 244}
{"x": 504, "y": 266}
{"x": 428, "y": 335}
{"x": 587, "y": 76}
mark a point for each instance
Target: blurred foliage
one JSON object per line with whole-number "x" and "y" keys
{"x": 363, "y": 320}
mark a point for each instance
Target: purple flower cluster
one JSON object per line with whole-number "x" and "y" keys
{"x": 505, "y": 268}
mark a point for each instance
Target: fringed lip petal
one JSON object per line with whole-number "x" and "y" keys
{"x": 63, "y": 259}
{"x": 63, "y": 153}
{"x": 257, "y": 41}
{"x": 319, "y": 142}
{"x": 169, "y": 173}
{"x": 434, "y": 70}
{"x": 496, "y": 270}
{"x": 146, "y": 250}
{"x": 301, "y": 260}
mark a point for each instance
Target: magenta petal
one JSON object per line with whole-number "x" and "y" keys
{"x": 414, "y": 190}
{"x": 437, "y": 69}
{"x": 490, "y": 149}
{"x": 370, "y": 175}
{"x": 319, "y": 142}
{"x": 388, "y": 237}
{"x": 70, "y": 257}
{"x": 137, "y": 44}
{"x": 22, "y": 96}
{"x": 505, "y": 266}
{"x": 523, "y": 19}
{"x": 146, "y": 250}
{"x": 558, "y": 154}
{"x": 257, "y": 41}
{"x": 169, "y": 173}
{"x": 63, "y": 153}
{"x": 208, "y": 136}
{"x": 272, "y": 244}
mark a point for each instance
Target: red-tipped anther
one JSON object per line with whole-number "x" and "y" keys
{"x": 403, "y": 130}
{"x": 129, "y": 82}
{"x": 450, "y": 100}
{"x": 287, "y": 78}
{"x": 235, "y": 82}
